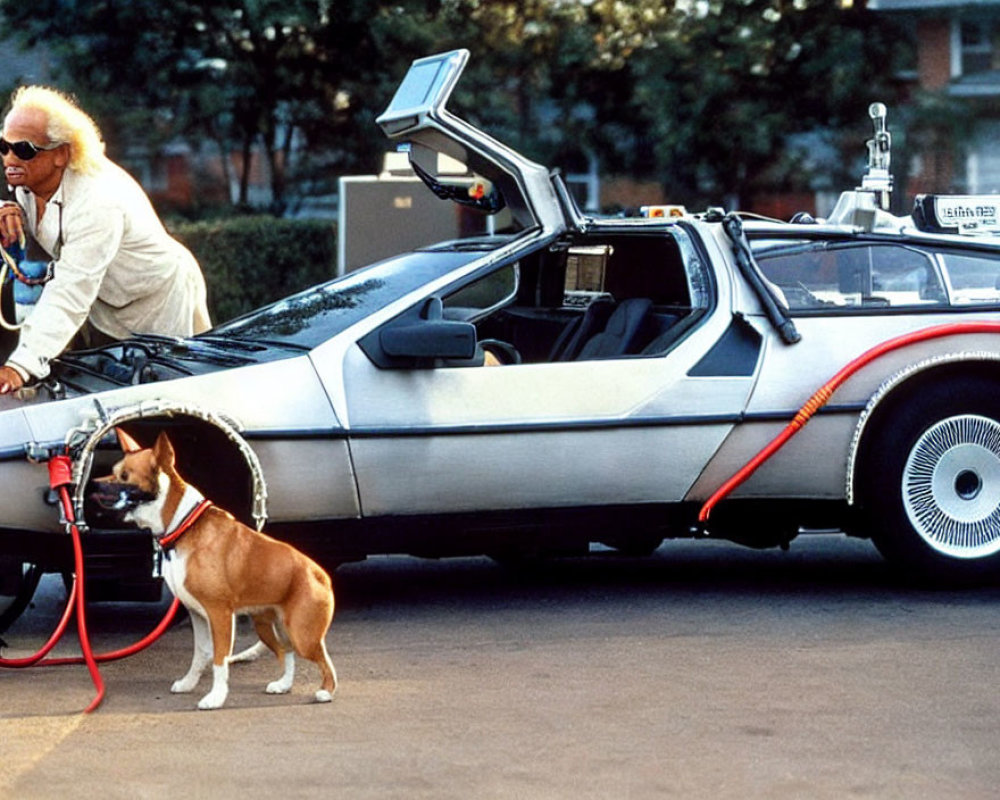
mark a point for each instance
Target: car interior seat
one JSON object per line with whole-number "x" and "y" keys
{"x": 622, "y": 332}
{"x": 594, "y": 320}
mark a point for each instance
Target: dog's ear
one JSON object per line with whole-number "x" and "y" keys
{"x": 126, "y": 442}
{"x": 163, "y": 451}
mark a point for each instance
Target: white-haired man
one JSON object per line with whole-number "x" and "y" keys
{"x": 115, "y": 271}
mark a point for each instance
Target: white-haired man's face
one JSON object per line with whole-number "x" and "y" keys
{"x": 42, "y": 171}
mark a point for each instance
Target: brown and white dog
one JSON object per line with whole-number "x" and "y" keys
{"x": 218, "y": 568}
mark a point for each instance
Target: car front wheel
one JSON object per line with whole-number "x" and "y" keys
{"x": 932, "y": 485}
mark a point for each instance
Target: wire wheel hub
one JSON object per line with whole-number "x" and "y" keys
{"x": 951, "y": 486}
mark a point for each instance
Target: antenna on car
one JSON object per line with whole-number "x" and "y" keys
{"x": 878, "y": 179}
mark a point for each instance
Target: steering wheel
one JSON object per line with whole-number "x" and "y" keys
{"x": 504, "y": 352}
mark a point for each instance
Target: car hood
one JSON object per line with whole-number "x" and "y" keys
{"x": 246, "y": 395}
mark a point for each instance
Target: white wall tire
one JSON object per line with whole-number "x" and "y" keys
{"x": 930, "y": 489}
{"x": 951, "y": 486}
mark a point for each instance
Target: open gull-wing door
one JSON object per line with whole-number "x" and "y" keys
{"x": 417, "y": 120}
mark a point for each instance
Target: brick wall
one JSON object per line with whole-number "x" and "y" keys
{"x": 934, "y": 57}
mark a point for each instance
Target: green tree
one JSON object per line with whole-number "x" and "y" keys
{"x": 238, "y": 73}
{"x": 704, "y": 95}
{"x": 701, "y": 94}
{"x": 722, "y": 92}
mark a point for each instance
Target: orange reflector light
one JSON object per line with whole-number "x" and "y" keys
{"x": 663, "y": 211}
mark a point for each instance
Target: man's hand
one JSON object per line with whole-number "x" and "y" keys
{"x": 11, "y": 224}
{"x": 10, "y": 380}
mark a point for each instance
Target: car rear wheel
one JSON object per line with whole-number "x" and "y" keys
{"x": 931, "y": 488}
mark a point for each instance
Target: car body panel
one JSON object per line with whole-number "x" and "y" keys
{"x": 321, "y": 472}
{"x": 811, "y": 466}
{"x": 256, "y": 403}
{"x": 790, "y": 374}
{"x": 273, "y": 400}
{"x": 530, "y": 435}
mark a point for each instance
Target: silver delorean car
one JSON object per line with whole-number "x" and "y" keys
{"x": 563, "y": 381}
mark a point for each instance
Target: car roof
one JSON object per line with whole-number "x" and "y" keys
{"x": 903, "y": 231}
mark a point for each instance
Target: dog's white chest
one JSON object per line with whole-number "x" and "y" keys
{"x": 175, "y": 574}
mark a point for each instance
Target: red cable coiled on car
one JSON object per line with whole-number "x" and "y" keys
{"x": 823, "y": 394}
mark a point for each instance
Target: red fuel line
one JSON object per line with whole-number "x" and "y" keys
{"x": 823, "y": 394}
{"x": 60, "y": 477}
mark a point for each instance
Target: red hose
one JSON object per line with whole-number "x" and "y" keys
{"x": 20, "y": 663}
{"x": 125, "y": 652}
{"x": 60, "y": 469}
{"x": 81, "y": 608}
{"x": 823, "y": 394}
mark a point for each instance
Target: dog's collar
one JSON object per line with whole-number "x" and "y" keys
{"x": 170, "y": 538}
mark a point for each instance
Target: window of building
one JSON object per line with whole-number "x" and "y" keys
{"x": 980, "y": 46}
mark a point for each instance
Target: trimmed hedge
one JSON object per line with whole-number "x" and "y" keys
{"x": 253, "y": 260}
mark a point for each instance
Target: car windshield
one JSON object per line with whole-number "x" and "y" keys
{"x": 309, "y": 318}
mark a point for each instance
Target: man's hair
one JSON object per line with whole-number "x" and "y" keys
{"x": 67, "y": 124}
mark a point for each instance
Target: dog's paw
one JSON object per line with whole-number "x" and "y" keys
{"x": 183, "y": 686}
{"x": 211, "y": 701}
{"x": 323, "y": 696}
{"x": 280, "y": 686}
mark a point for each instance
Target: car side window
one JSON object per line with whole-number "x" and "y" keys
{"x": 973, "y": 278}
{"x": 820, "y": 276}
{"x": 483, "y": 296}
{"x": 589, "y": 297}
{"x": 905, "y": 276}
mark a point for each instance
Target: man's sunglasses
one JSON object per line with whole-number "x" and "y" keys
{"x": 25, "y": 150}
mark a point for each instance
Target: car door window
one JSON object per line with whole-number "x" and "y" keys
{"x": 590, "y": 297}
{"x": 594, "y": 297}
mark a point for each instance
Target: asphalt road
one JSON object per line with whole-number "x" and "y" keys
{"x": 705, "y": 671}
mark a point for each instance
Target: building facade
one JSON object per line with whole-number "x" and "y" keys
{"x": 957, "y": 48}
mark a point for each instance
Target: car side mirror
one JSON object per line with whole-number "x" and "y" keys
{"x": 430, "y": 339}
